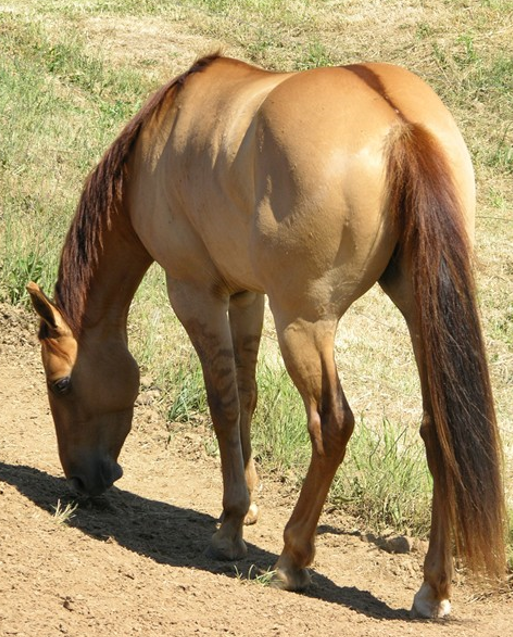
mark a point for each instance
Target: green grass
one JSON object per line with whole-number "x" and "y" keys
{"x": 188, "y": 399}
{"x": 384, "y": 480}
{"x": 255, "y": 574}
{"x": 279, "y": 424}
{"x": 71, "y": 74}
{"x": 59, "y": 108}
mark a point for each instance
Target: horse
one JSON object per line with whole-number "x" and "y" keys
{"x": 308, "y": 187}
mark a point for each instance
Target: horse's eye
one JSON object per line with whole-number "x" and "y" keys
{"x": 61, "y": 386}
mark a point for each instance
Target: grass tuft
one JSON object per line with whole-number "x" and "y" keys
{"x": 187, "y": 395}
{"x": 64, "y": 513}
{"x": 255, "y": 574}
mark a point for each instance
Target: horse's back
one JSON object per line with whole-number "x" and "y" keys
{"x": 276, "y": 182}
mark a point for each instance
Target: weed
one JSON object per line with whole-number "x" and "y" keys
{"x": 23, "y": 268}
{"x": 502, "y": 156}
{"x": 133, "y": 7}
{"x": 467, "y": 55}
{"x": 279, "y": 424}
{"x": 424, "y": 30}
{"x": 316, "y": 54}
{"x": 497, "y": 198}
{"x": 64, "y": 514}
{"x": 187, "y": 389}
{"x": 255, "y": 574}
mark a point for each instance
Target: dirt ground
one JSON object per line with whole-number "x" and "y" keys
{"x": 133, "y": 562}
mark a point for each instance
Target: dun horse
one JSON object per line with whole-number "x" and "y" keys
{"x": 308, "y": 187}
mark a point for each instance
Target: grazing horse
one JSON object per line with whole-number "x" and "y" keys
{"x": 308, "y": 187}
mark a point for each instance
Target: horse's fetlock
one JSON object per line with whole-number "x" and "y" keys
{"x": 238, "y": 507}
{"x": 301, "y": 551}
{"x": 440, "y": 580}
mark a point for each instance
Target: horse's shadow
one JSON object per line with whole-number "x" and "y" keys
{"x": 170, "y": 535}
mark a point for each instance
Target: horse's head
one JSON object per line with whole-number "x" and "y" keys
{"x": 92, "y": 384}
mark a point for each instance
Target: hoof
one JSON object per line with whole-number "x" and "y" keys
{"x": 251, "y": 515}
{"x": 291, "y": 580}
{"x": 222, "y": 548}
{"x": 425, "y": 606}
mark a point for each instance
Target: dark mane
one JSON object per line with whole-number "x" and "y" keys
{"x": 100, "y": 200}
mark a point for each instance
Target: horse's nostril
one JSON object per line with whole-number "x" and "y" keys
{"x": 109, "y": 473}
{"x": 78, "y": 485}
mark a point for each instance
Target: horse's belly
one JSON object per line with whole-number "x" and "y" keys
{"x": 208, "y": 245}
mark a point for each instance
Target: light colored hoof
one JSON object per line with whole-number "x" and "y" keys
{"x": 291, "y": 580}
{"x": 223, "y": 548}
{"x": 426, "y": 606}
{"x": 251, "y": 515}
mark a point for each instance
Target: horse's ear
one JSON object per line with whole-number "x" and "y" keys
{"x": 47, "y": 311}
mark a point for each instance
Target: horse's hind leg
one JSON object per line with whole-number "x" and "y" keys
{"x": 308, "y": 353}
{"x": 246, "y": 318}
{"x": 433, "y": 598}
{"x": 204, "y": 316}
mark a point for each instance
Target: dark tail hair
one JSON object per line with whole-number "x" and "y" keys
{"x": 435, "y": 246}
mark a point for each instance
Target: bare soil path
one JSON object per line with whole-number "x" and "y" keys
{"x": 134, "y": 562}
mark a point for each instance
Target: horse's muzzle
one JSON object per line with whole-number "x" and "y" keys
{"x": 96, "y": 479}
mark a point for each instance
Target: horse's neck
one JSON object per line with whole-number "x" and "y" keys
{"x": 119, "y": 267}
{"x": 112, "y": 292}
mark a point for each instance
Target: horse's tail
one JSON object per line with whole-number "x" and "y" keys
{"x": 435, "y": 247}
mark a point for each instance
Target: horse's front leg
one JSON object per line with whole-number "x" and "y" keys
{"x": 246, "y": 320}
{"x": 205, "y": 317}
